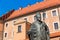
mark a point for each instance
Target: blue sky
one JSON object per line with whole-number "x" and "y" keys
{"x": 7, "y": 5}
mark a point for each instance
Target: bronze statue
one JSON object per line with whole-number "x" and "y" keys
{"x": 39, "y": 30}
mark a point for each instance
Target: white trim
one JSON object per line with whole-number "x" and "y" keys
{"x": 5, "y": 25}
{"x": 20, "y": 28}
{"x": 4, "y": 34}
{"x": 26, "y": 18}
{"x": 56, "y": 12}
{"x": 41, "y": 16}
{"x": 53, "y": 26}
{"x": 14, "y": 21}
{"x": 45, "y": 13}
{"x": 47, "y": 24}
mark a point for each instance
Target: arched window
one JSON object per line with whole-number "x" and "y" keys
{"x": 6, "y": 24}
{"x": 5, "y": 34}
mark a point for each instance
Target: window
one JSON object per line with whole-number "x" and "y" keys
{"x": 6, "y": 24}
{"x": 44, "y": 15}
{"x": 54, "y": 12}
{"x": 56, "y": 25}
{"x": 19, "y": 28}
{"x": 5, "y": 34}
{"x": 25, "y": 19}
{"x": 14, "y": 21}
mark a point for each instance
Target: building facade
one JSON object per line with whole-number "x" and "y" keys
{"x": 19, "y": 21}
{"x": 1, "y": 29}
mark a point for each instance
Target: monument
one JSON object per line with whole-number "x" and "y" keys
{"x": 38, "y": 30}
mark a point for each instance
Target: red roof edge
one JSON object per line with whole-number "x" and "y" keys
{"x": 7, "y": 14}
{"x": 35, "y": 7}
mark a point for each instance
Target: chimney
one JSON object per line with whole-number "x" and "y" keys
{"x": 20, "y": 8}
{"x": 45, "y": 0}
{"x": 29, "y": 5}
{"x": 37, "y": 2}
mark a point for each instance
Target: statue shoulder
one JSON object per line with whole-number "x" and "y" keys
{"x": 34, "y": 23}
{"x": 43, "y": 23}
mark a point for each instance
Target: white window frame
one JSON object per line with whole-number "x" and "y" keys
{"x": 21, "y": 29}
{"x": 56, "y": 12}
{"x": 5, "y": 24}
{"x": 26, "y": 18}
{"x": 53, "y": 26}
{"x": 14, "y": 22}
{"x": 42, "y": 16}
{"x": 4, "y": 34}
{"x": 46, "y": 15}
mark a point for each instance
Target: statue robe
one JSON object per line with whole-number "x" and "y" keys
{"x": 38, "y": 31}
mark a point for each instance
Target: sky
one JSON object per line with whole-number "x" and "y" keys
{"x": 7, "y": 5}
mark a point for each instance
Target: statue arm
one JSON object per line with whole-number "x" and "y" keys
{"x": 46, "y": 28}
{"x": 29, "y": 31}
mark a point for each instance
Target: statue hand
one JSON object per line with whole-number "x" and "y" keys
{"x": 28, "y": 32}
{"x": 48, "y": 32}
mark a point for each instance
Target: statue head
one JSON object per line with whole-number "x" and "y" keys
{"x": 38, "y": 16}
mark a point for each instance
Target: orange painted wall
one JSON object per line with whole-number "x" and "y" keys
{"x": 51, "y": 19}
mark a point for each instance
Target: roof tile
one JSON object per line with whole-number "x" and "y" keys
{"x": 35, "y": 7}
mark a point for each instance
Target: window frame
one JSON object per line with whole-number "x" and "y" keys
{"x": 54, "y": 26}
{"x": 56, "y": 12}
{"x": 46, "y": 15}
{"x": 6, "y": 35}
{"x": 20, "y": 28}
{"x": 6, "y": 24}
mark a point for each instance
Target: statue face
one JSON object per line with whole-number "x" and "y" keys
{"x": 38, "y": 17}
